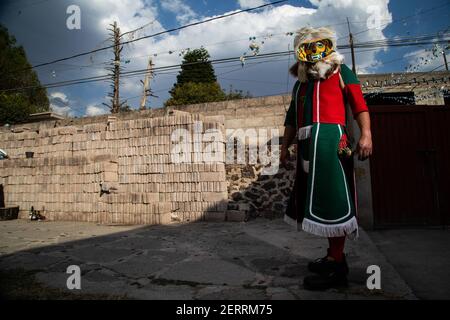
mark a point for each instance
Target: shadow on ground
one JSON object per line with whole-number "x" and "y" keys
{"x": 421, "y": 256}
{"x": 260, "y": 259}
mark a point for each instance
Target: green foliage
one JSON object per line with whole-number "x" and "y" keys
{"x": 237, "y": 94}
{"x": 192, "y": 71}
{"x": 125, "y": 108}
{"x": 197, "y": 83}
{"x": 14, "y": 107}
{"x": 14, "y": 74}
{"x": 191, "y": 93}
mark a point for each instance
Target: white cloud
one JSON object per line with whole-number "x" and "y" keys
{"x": 65, "y": 111}
{"x": 277, "y": 20}
{"x": 246, "y": 4}
{"x": 129, "y": 14}
{"x": 183, "y": 12}
{"x": 371, "y": 18}
{"x": 59, "y": 95}
{"x": 93, "y": 110}
{"x": 60, "y": 104}
{"x": 229, "y": 37}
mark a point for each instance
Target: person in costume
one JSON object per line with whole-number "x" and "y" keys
{"x": 323, "y": 199}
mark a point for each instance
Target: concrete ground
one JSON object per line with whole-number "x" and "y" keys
{"x": 421, "y": 256}
{"x": 259, "y": 259}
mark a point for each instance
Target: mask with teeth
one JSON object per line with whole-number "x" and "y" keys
{"x": 315, "y": 50}
{"x": 316, "y": 54}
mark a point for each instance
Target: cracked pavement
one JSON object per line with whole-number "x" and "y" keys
{"x": 257, "y": 260}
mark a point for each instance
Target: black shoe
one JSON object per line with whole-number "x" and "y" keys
{"x": 324, "y": 265}
{"x": 335, "y": 277}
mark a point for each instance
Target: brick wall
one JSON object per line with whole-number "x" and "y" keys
{"x": 265, "y": 112}
{"x": 129, "y": 159}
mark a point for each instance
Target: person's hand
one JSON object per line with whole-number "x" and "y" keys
{"x": 364, "y": 147}
{"x": 284, "y": 156}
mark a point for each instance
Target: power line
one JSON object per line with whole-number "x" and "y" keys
{"x": 400, "y": 42}
{"x": 371, "y": 45}
{"x": 240, "y": 68}
{"x": 157, "y": 34}
{"x": 140, "y": 72}
{"x": 280, "y": 83}
{"x": 266, "y": 35}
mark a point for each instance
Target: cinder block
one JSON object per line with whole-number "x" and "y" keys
{"x": 235, "y": 215}
{"x": 151, "y": 197}
{"x": 110, "y": 166}
{"x": 212, "y": 176}
{"x": 110, "y": 176}
{"x": 214, "y": 196}
{"x": 244, "y": 206}
{"x": 215, "y": 216}
{"x": 165, "y": 218}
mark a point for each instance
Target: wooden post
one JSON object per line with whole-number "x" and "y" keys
{"x": 148, "y": 77}
{"x": 115, "y": 106}
{"x": 445, "y": 59}
{"x": 349, "y": 118}
{"x": 352, "y": 48}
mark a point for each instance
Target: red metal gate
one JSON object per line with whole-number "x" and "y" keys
{"x": 410, "y": 167}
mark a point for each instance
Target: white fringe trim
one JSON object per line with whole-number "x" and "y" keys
{"x": 348, "y": 228}
{"x": 292, "y": 222}
{"x": 304, "y": 132}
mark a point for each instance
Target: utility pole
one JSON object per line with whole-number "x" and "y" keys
{"x": 115, "y": 70}
{"x": 351, "y": 47}
{"x": 117, "y": 50}
{"x": 146, "y": 83}
{"x": 349, "y": 121}
{"x": 445, "y": 59}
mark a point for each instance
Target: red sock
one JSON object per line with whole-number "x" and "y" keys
{"x": 336, "y": 250}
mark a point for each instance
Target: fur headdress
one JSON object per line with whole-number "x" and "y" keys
{"x": 321, "y": 69}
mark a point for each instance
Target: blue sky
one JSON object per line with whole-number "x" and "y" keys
{"x": 40, "y": 26}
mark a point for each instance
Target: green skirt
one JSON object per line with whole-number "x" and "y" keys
{"x": 323, "y": 199}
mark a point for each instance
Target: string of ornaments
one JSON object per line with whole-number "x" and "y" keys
{"x": 255, "y": 46}
{"x": 431, "y": 55}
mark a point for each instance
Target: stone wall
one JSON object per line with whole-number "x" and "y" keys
{"x": 112, "y": 172}
{"x": 260, "y": 195}
{"x": 251, "y": 194}
{"x": 263, "y": 112}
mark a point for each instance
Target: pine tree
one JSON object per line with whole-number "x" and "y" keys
{"x": 196, "y": 82}
{"x": 15, "y": 72}
{"x": 193, "y": 71}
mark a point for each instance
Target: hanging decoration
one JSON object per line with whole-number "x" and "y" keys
{"x": 254, "y": 47}
{"x": 242, "y": 59}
